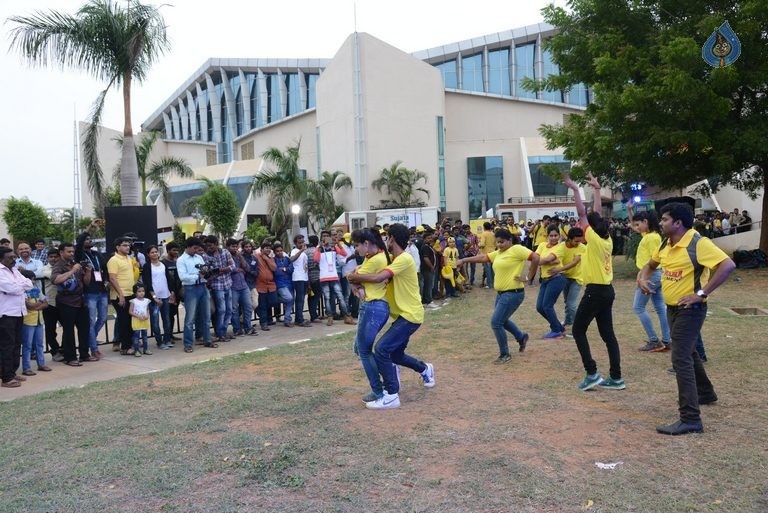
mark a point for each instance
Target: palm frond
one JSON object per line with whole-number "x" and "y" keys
{"x": 90, "y": 148}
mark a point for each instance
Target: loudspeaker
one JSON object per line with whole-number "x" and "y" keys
{"x": 681, "y": 199}
{"x": 139, "y": 220}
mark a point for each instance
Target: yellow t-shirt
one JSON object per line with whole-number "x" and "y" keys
{"x": 569, "y": 254}
{"x": 677, "y": 275}
{"x": 540, "y": 234}
{"x": 508, "y": 267}
{"x": 487, "y": 242}
{"x": 514, "y": 229}
{"x": 403, "y": 293}
{"x": 597, "y": 263}
{"x": 374, "y": 265}
{"x": 451, "y": 255}
{"x": 122, "y": 266}
{"x": 564, "y": 228}
{"x": 649, "y": 244}
{"x": 543, "y": 251}
{"x": 33, "y": 317}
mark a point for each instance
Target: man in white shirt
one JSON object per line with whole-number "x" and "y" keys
{"x": 348, "y": 265}
{"x": 300, "y": 279}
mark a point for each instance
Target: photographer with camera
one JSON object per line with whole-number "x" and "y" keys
{"x": 220, "y": 283}
{"x": 96, "y": 297}
{"x": 196, "y": 298}
{"x": 70, "y": 278}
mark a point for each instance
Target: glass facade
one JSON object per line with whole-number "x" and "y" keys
{"x": 525, "y": 63}
{"x": 550, "y": 68}
{"x": 294, "y": 95}
{"x": 486, "y": 183}
{"x": 472, "y": 73}
{"x": 578, "y": 95}
{"x": 448, "y": 70}
{"x": 311, "y": 94}
{"x": 498, "y": 72}
{"x": 543, "y": 184}
{"x": 441, "y": 162}
{"x": 241, "y": 187}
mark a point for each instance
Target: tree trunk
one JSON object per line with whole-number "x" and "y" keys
{"x": 129, "y": 168}
{"x": 764, "y": 216}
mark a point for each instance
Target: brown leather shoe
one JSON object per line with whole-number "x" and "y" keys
{"x": 349, "y": 320}
{"x": 44, "y": 368}
{"x": 329, "y": 322}
{"x": 29, "y": 372}
{"x": 19, "y": 378}
{"x": 11, "y": 384}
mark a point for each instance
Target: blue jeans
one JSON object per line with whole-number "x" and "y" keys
{"x": 488, "y": 269}
{"x": 641, "y": 301}
{"x": 390, "y": 351}
{"x": 196, "y": 302}
{"x": 97, "y": 311}
{"x": 472, "y": 269}
{"x": 330, "y": 307}
{"x": 571, "y": 293}
{"x": 241, "y": 300}
{"x": 285, "y": 296}
{"x": 140, "y": 335}
{"x": 549, "y": 291}
{"x": 223, "y": 301}
{"x": 156, "y": 313}
{"x": 32, "y": 339}
{"x": 266, "y": 301}
{"x": 372, "y": 317}
{"x": 299, "y": 293}
{"x": 506, "y": 304}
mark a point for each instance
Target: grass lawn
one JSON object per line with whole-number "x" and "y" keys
{"x": 285, "y": 430}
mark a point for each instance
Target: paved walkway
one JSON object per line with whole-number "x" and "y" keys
{"x": 114, "y": 365}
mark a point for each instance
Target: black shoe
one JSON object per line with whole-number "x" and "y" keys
{"x": 708, "y": 399}
{"x": 680, "y": 428}
{"x": 523, "y": 342}
{"x": 671, "y": 370}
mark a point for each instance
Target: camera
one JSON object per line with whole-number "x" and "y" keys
{"x": 207, "y": 271}
{"x": 84, "y": 263}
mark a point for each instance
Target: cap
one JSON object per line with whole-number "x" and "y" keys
{"x": 420, "y": 228}
{"x": 451, "y": 239}
{"x": 347, "y": 237}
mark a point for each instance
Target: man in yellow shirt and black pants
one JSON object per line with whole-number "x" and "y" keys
{"x": 686, "y": 258}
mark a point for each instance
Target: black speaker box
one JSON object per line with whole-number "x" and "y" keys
{"x": 139, "y": 220}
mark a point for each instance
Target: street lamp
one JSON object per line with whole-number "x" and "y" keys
{"x": 295, "y": 210}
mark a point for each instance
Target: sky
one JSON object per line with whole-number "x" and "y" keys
{"x": 40, "y": 105}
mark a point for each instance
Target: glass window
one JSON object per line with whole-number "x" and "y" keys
{"x": 256, "y": 120}
{"x": 498, "y": 72}
{"x": 209, "y": 114}
{"x": 274, "y": 111}
{"x": 448, "y": 69}
{"x": 472, "y": 73}
{"x": 311, "y": 90}
{"x": 578, "y": 95}
{"x": 550, "y": 68}
{"x": 178, "y": 194}
{"x": 486, "y": 184}
{"x": 524, "y": 62}
{"x": 241, "y": 187}
{"x": 294, "y": 96}
{"x": 239, "y": 112}
{"x": 197, "y": 136}
{"x": 543, "y": 184}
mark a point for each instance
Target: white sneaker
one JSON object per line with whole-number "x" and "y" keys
{"x": 384, "y": 403}
{"x": 429, "y": 376}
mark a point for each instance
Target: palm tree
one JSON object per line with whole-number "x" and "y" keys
{"x": 285, "y": 186}
{"x": 115, "y": 42}
{"x": 159, "y": 171}
{"x": 400, "y": 183}
{"x": 323, "y": 207}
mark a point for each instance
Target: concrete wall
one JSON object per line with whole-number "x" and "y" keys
{"x": 401, "y": 99}
{"x": 747, "y": 240}
{"x": 480, "y": 125}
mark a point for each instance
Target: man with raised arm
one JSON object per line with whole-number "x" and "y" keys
{"x": 597, "y": 301}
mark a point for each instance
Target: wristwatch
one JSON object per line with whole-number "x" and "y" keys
{"x": 701, "y": 293}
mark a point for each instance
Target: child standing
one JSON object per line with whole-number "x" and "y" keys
{"x": 139, "y": 311}
{"x": 33, "y": 329}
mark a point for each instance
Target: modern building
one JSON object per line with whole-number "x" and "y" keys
{"x": 458, "y": 113}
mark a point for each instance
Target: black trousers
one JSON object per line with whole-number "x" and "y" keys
{"x": 51, "y": 318}
{"x": 692, "y": 380}
{"x": 10, "y": 346}
{"x": 74, "y": 317}
{"x": 597, "y": 304}
{"x": 123, "y": 321}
